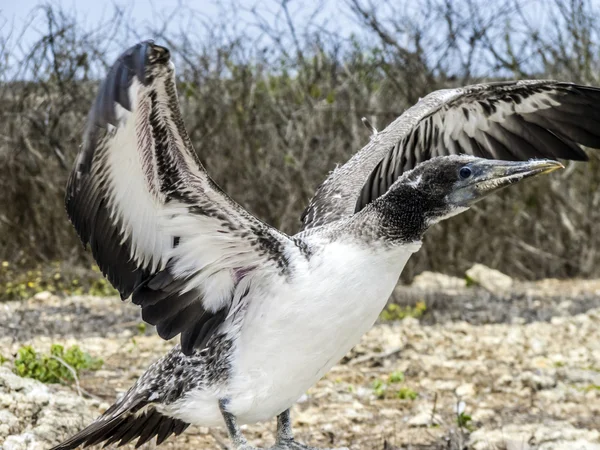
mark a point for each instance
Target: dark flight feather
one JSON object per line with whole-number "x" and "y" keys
{"x": 502, "y": 120}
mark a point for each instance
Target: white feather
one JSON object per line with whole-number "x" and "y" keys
{"x": 274, "y": 363}
{"x": 132, "y": 202}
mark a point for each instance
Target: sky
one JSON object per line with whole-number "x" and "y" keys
{"x": 152, "y": 13}
{"x": 173, "y": 17}
{"x": 189, "y": 18}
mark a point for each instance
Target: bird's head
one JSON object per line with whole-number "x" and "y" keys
{"x": 445, "y": 186}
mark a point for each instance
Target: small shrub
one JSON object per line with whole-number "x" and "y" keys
{"x": 396, "y": 377}
{"x": 19, "y": 283}
{"x": 406, "y": 393}
{"x": 379, "y": 388}
{"x": 470, "y": 282}
{"x": 464, "y": 421}
{"x": 48, "y": 368}
{"x": 383, "y": 390}
{"x": 397, "y": 312}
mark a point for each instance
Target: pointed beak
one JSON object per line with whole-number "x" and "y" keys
{"x": 490, "y": 176}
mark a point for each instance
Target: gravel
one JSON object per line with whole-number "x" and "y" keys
{"x": 525, "y": 378}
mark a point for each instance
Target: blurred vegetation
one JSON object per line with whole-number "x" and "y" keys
{"x": 397, "y": 312}
{"x": 464, "y": 420}
{"x": 59, "y": 366}
{"x": 392, "y": 388}
{"x": 18, "y": 283}
{"x": 271, "y": 115}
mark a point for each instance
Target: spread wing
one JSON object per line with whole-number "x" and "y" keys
{"x": 515, "y": 120}
{"x": 159, "y": 228}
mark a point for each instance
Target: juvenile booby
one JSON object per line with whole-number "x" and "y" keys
{"x": 262, "y": 315}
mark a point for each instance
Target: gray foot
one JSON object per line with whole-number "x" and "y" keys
{"x": 293, "y": 445}
{"x": 285, "y": 438}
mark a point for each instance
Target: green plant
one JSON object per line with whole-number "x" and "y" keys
{"x": 469, "y": 282}
{"x": 397, "y": 312}
{"x": 18, "y": 282}
{"x": 464, "y": 421}
{"x": 406, "y": 393}
{"x": 55, "y": 367}
{"x": 396, "y": 377}
{"x": 382, "y": 389}
{"x": 100, "y": 287}
{"x": 141, "y": 327}
{"x": 592, "y": 387}
{"x": 379, "y": 388}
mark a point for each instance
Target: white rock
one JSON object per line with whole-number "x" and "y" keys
{"x": 547, "y": 436}
{"x": 581, "y": 376}
{"x": 537, "y": 382}
{"x": 44, "y": 296}
{"x": 36, "y": 415}
{"x": 423, "y": 416}
{"x": 410, "y": 322}
{"x": 504, "y": 381}
{"x": 466, "y": 390}
{"x": 25, "y": 441}
{"x": 517, "y": 445}
{"x": 437, "y": 281}
{"x": 490, "y": 279}
{"x": 423, "y": 419}
{"x": 483, "y": 414}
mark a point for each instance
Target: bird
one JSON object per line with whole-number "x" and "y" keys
{"x": 261, "y": 315}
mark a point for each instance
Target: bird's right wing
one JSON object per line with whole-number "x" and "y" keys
{"x": 513, "y": 120}
{"x": 158, "y": 226}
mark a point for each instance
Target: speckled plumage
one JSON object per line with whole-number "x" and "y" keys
{"x": 163, "y": 383}
{"x": 138, "y": 187}
{"x": 512, "y": 120}
{"x": 262, "y": 315}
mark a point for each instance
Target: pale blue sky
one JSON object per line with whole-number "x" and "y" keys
{"x": 152, "y": 13}
{"x": 189, "y": 17}
{"x": 25, "y": 23}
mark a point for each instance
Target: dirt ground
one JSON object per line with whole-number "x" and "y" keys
{"x": 523, "y": 368}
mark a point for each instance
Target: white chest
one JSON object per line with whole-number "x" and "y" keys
{"x": 295, "y": 331}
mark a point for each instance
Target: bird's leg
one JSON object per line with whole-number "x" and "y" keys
{"x": 284, "y": 427}
{"x": 233, "y": 430}
{"x": 285, "y": 437}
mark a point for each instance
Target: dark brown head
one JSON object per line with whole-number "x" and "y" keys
{"x": 445, "y": 186}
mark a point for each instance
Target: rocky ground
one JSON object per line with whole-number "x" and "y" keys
{"x": 520, "y": 361}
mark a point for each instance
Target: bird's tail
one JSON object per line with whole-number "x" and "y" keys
{"x": 126, "y": 420}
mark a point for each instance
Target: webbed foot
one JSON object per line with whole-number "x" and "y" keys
{"x": 285, "y": 438}
{"x": 293, "y": 445}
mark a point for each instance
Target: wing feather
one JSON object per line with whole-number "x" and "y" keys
{"x": 159, "y": 228}
{"x": 512, "y": 120}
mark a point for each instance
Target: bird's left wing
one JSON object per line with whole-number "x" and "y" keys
{"x": 159, "y": 228}
{"x": 513, "y": 120}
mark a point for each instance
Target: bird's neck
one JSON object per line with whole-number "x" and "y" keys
{"x": 399, "y": 217}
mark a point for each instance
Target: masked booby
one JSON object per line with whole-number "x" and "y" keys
{"x": 259, "y": 313}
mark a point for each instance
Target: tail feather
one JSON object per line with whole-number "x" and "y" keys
{"x": 140, "y": 420}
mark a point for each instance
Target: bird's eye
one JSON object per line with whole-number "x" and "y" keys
{"x": 465, "y": 172}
